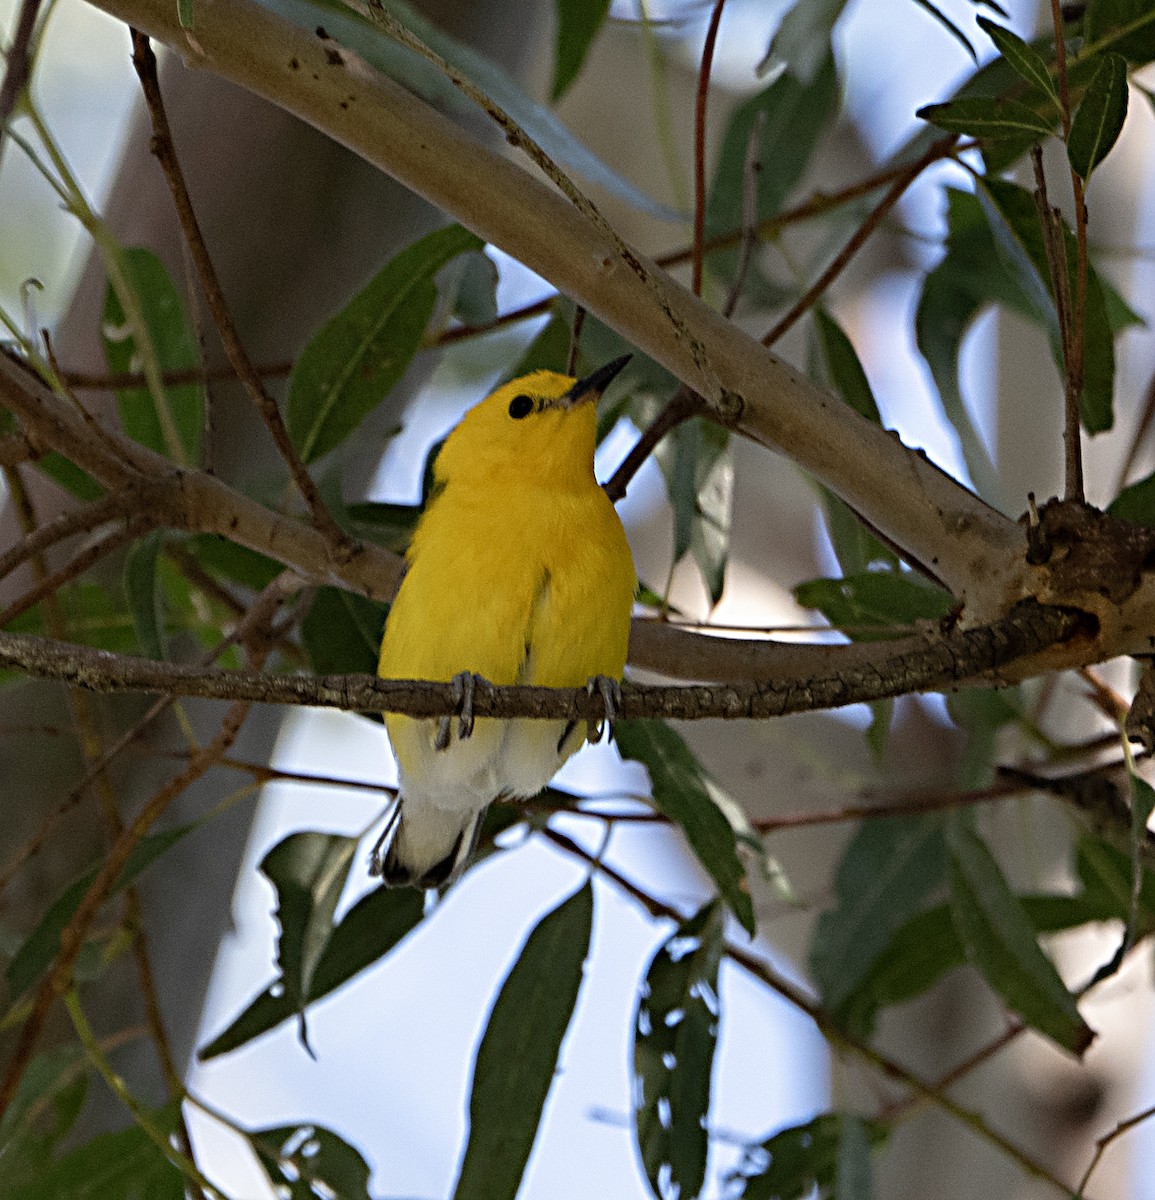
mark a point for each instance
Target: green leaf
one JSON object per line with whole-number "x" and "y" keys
{"x": 1022, "y": 56}
{"x": 699, "y": 471}
{"x": 69, "y": 476}
{"x": 854, "y": 1175}
{"x": 801, "y": 45}
{"x": 517, "y": 1058}
{"x": 1099, "y": 119}
{"x": 842, "y": 366}
{"x": 145, "y": 597}
{"x": 549, "y": 350}
{"x": 126, "y": 1165}
{"x": 428, "y": 82}
{"x": 360, "y": 354}
{"x": 682, "y": 791}
{"x": 93, "y": 614}
{"x": 308, "y": 1162}
{"x": 308, "y": 871}
{"x": 43, "y": 944}
{"x": 794, "y": 116}
{"x": 1000, "y": 941}
{"x": 1126, "y": 26}
{"x": 180, "y": 419}
{"x": 986, "y": 118}
{"x": 342, "y": 632}
{"x": 476, "y": 299}
{"x": 675, "y": 1034}
{"x": 887, "y": 871}
{"x": 365, "y": 935}
{"x": 44, "y": 1108}
{"x": 873, "y": 604}
{"x": 578, "y": 22}
{"x": 791, "y": 1163}
{"x": 238, "y": 563}
{"x": 1136, "y": 502}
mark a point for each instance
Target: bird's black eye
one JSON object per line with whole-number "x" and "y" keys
{"x": 520, "y": 406}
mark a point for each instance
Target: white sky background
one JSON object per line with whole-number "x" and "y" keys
{"x": 394, "y": 1049}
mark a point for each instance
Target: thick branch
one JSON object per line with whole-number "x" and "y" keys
{"x": 974, "y": 549}
{"x": 938, "y": 662}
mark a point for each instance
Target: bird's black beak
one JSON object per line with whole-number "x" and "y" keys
{"x": 589, "y": 389}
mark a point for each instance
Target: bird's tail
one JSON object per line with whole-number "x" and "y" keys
{"x": 429, "y": 846}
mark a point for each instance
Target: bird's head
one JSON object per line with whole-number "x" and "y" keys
{"x": 541, "y": 427}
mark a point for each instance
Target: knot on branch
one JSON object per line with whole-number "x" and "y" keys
{"x": 1091, "y": 551}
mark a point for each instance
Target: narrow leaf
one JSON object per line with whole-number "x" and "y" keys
{"x": 681, "y": 790}
{"x": 854, "y": 1175}
{"x": 675, "y": 1034}
{"x": 1000, "y": 941}
{"x": 578, "y": 22}
{"x": 342, "y": 632}
{"x": 986, "y": 118}
{"x": 949, "y": 26}
{"x": 360, "y": 354}
{"x": 792, "y": 1162}
{"x": 145, "y": 596}
{"x": 173, "y": 423}
{"x": 1126, "y": 26}
{"x": 518, "y": 1055}
{"x": 874, "y": 603}
{"x": 1099, "y": 119}
{"x": 308, "y": 871}
{"x": 1022, "y": 56}
{"x": 801, "y": 44}
{"x": 365, "y": 935}
{"x": 887, "y": 871}
{"x": 307, "y": 1162}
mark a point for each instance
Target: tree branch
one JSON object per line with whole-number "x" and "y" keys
{"x": 935, "y": 662}
{"x": 976, "y": 550}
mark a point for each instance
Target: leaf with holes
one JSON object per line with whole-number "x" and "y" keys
{"x": 306, "y": 1162}
{"x": 675, "y": 1035}
{"x": 518, "y": 1056}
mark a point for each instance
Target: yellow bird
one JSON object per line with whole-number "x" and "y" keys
{"x": 519, "y": 571}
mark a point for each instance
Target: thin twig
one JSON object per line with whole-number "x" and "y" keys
{"x": 575, "y": 337}
{"x": 858, "y": 239}
{"x": 18, "y": 70}
{"x": 164, "y": 148}
{"x": 1105, "y": 1141}
{"x": 681, "y": 406}
{"x": 700, "y": 99}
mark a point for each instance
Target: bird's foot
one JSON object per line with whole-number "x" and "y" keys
{"x": 464, "y": 684}
{"x": 376, "y": 862}
{"x": 611, "y": 693}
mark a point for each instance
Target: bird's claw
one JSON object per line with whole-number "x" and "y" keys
{"x": 464, "y": 684}
{"x": 611, "y": 693}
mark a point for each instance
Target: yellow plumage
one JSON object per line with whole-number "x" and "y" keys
{"x": 519, "y": 571}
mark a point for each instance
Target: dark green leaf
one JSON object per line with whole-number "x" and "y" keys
{"x": 675, "y": 1033}
{"x": 184, "y": 13}
{"x": 43, "y": 944}
{"x": 682, "y": 791}
{"x": 794, "y": 116}
{"x": 476, "y": 299}
{"x": 854, "y": 1176}
{"x": 1136, "y": 502}
{"x": 308, "y": 871}
{"x": 126, "y": 1165}
{"x": 791, "y": 1163}
{"x": 1099, "y": 119}
{"x": 69, "y": 476}
{"x": 238, "y": 563}
{"x": 987, "y": 118}
{"x": 175, "y": 428}
{"x": 388, "y": 525}
{"x": 360, "y": 354}
{"x": 801, "y": 45}
{"x": 886, "y": 873}
{"x": 365, "y": 935}
{"x": 308, "y": 1162}
{"x": 1000, "y": 941}
{"x": 578, "y": 22}
{"x": 145, "y": 598}
{"x": 873, "y": 604}
{"x": 1025, "y": 59}
{"x": 518, "y": 1057}
{"x": 699, "y": 472}
{"x": 93, "y": 615}
{"x": 1126, "y": 26}
{"x": 842, "y": 366}
{"x": 43, "y": 1109}
{"x": 342, "y": 632}
{"x": 549, "y": 350}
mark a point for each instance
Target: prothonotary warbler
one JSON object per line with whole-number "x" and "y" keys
{"x": 519, "y": 571}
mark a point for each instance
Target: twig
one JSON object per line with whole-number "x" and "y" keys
{"x": 164, "y": 148}
{"x": 575, "y": 337}
{"x": 1105, "y": 1141}
{"x": 858, "y": 239}
{"x": 700, "y": 99}
{"x": 681, "y": 406}
{"x": 18, "y": 70}
{"x": 123, "y": 380}
{"x": 935, "y": 662}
